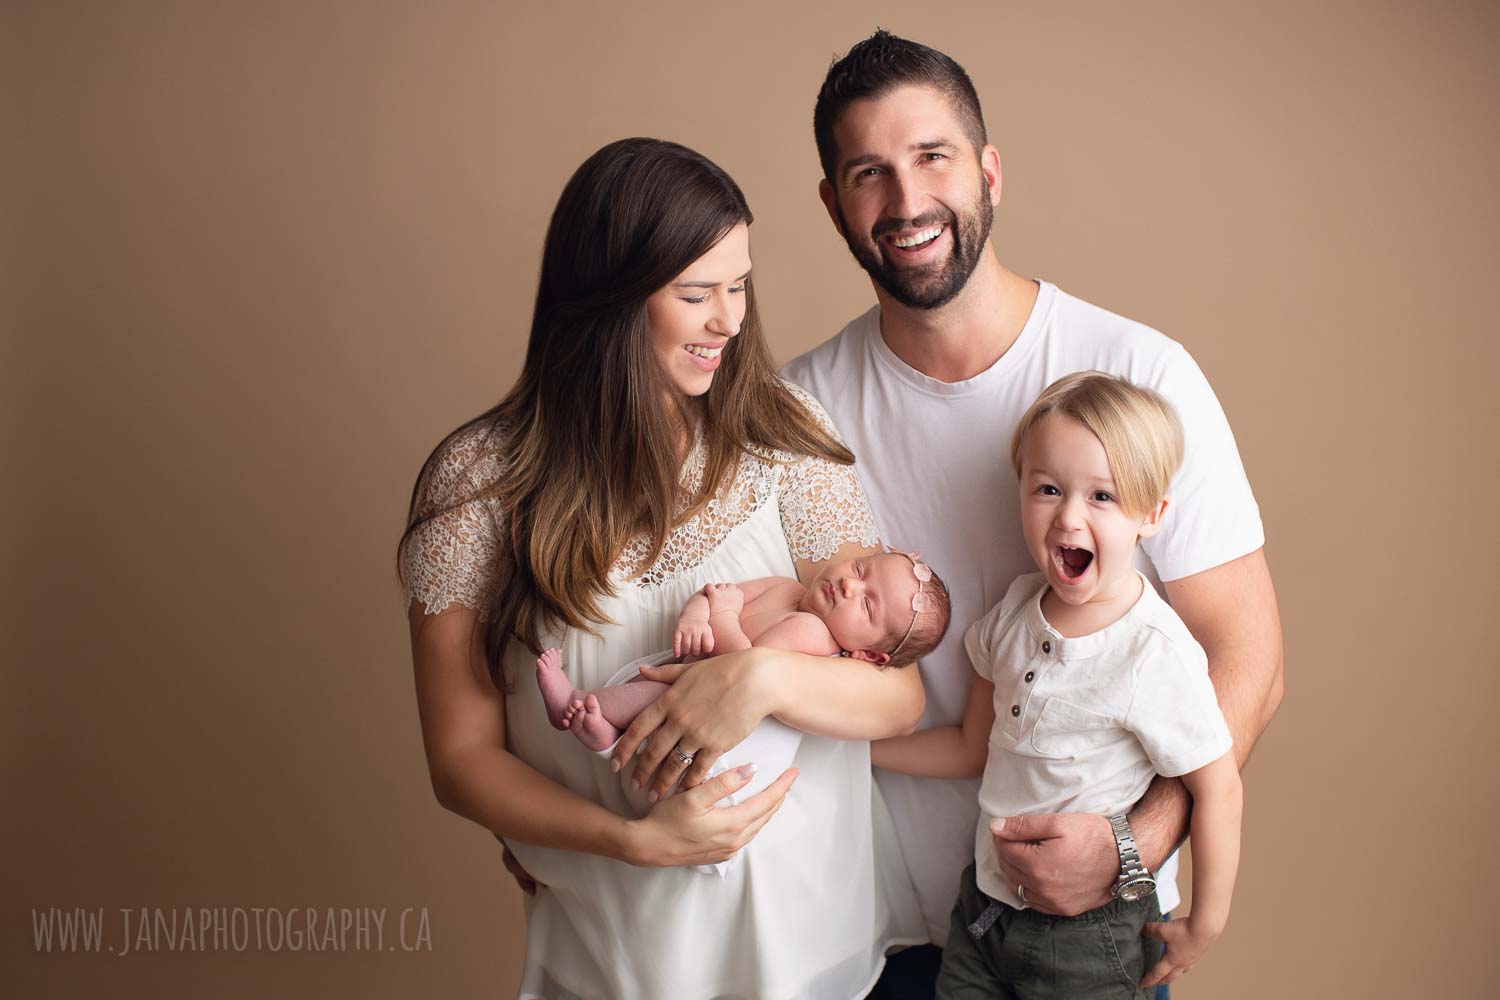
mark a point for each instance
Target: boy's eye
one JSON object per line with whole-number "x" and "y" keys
{"x": 1102, "y": 497}
{"x": 1047, "y": 490}
{"x": 868, "y": 609}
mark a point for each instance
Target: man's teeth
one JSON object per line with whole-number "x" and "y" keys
{"x": 704, "y": 352}
{"x": 917, "y": 239}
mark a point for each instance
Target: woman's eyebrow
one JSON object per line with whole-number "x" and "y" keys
{"x": 707, "y": 284}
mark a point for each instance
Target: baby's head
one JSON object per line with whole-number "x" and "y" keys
{"x": 890, "y": 609}
{"x": 1094, "y": 456}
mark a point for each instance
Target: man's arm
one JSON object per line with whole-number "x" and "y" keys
{"x": 1067, "y": 862}
{"x": 1231, "y": 611}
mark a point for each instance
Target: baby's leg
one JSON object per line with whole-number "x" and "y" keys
{"x": 615, "y": 707}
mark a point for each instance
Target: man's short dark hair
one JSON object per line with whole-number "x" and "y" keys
{"x": 881, "y": 63}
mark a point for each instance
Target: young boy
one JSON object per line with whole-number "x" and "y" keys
{"x": 1087, "y": 685}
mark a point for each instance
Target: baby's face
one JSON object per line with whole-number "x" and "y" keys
{"x": 863, "y": 600}
{"x": 1075, "y": 528}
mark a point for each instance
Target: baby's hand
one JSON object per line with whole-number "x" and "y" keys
{"x": 724, "y": 597}
{"x": 694, "y": 637}
{"x": 1185, "y": 944}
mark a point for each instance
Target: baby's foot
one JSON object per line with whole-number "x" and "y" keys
{"x": 592, "y": 728}
{"x": 574, "y": 708}
{"x": 557, "y": 692}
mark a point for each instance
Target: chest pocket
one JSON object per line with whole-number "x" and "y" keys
{"x": 1065, "y": 730}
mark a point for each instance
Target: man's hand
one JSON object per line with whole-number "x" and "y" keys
{"x": 1064, "y": 862}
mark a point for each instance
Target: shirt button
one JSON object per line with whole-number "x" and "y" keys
{"x": 1046, "y": 647}
{"x": 1030, "y": 676}
{"x": 1015, "y": 710}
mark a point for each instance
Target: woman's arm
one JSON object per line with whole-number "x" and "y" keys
{"x": 944, "y": 751}
{"x": 714, "y": 704}
{"x": 473, "y": 774}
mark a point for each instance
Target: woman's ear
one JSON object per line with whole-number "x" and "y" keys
{"x": 871, "y": 656}
{"x": 1152, "y": 524}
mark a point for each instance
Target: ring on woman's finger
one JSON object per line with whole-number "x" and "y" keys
{"x": 682, "y": 758}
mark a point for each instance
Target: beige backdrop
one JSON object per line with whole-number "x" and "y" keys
{"x": 259, "y": 257}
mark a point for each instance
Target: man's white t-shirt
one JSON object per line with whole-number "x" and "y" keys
{"x": 934, "y": 459}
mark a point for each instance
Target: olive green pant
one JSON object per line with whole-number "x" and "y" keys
{"x": 1026, "y": 955}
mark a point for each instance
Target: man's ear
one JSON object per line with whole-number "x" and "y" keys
{"x": 1153, "y": 520}
{"x": 989, "y": 165}
{"x": 871, "y": 656}
{"x": 830, "y": 203}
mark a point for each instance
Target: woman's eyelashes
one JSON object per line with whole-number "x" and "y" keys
{"x": 705, "y": 296}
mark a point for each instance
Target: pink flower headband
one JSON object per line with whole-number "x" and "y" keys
{"x": 922, "y": 600}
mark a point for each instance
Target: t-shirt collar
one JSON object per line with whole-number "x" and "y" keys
{"x": 1025, "y": 342}
{"x": 1094, "y": 643}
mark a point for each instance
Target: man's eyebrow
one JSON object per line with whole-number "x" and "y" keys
{"x": 707, "y": 284}
{"x": 917, "y": 147}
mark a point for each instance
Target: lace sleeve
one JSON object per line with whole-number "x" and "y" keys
{"x": 452, "y": 558}
{"x": 822, "y": 504}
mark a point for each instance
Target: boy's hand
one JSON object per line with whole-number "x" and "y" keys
{"x": 1185, "y": 945}
{"x": 694, "y": 637}
{"x": 724, "y": 597}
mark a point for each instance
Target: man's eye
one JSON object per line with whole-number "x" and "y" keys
{"x": 934, "y": 156}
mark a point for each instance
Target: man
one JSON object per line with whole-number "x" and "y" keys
{"x": 926, "y": 388}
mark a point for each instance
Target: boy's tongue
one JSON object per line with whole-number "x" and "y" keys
{"x": 1075, "y": 561}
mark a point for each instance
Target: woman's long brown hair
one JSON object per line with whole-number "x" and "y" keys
{"x": 590, "y": 452}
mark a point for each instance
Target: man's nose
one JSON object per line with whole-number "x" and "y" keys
{"x": 903, "y": 196}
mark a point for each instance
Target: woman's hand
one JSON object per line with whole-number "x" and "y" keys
{"x": 711, "y": 706}
{"x": 689, "y": 829}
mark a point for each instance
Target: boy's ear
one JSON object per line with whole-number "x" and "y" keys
{"x": 1153, "y": 520}
{"x": 871, "y": 656}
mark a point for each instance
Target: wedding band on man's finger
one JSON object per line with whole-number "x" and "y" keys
{"x": 1020, "y": 892}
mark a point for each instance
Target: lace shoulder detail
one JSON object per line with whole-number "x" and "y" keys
{"x": 822, "y": 503}
{"x": 452, "y": 557}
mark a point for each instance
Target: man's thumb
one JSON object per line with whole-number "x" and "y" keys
{"x": 1013, "y": 828}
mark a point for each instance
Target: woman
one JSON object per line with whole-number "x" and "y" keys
{"x": 648, "y": 448}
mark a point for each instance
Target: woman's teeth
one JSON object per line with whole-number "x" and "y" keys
{"x": 704, "y": 352}
{"x": 917, "y": 239}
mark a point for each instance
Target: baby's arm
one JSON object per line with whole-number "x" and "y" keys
{"x": 1217, "y": 804}
{"x": 944, "y": 751}
{"x": 711, "y": 616}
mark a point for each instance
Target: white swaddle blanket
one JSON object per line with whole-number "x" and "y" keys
{"x": 771, "y": 746}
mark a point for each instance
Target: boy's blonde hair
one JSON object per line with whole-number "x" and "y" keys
{"x": 1139, "y": 430}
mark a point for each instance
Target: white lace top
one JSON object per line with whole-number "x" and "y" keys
{"x": 452, "y": 558}
{"x": 818, "y": 896}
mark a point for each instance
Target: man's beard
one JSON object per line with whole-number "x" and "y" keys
{"x": 930, "y": 287}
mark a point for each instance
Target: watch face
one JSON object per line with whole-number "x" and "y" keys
{"x": 1137, "y": 888}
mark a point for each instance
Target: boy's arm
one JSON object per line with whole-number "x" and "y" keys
{"x": 944, "y": 751}
{"x": 1217, "y": 805}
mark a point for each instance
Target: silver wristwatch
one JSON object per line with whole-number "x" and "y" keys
{"x": 1135, "y": 882}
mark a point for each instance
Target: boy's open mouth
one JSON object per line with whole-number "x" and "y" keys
{"x": 1073, "y": 561}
